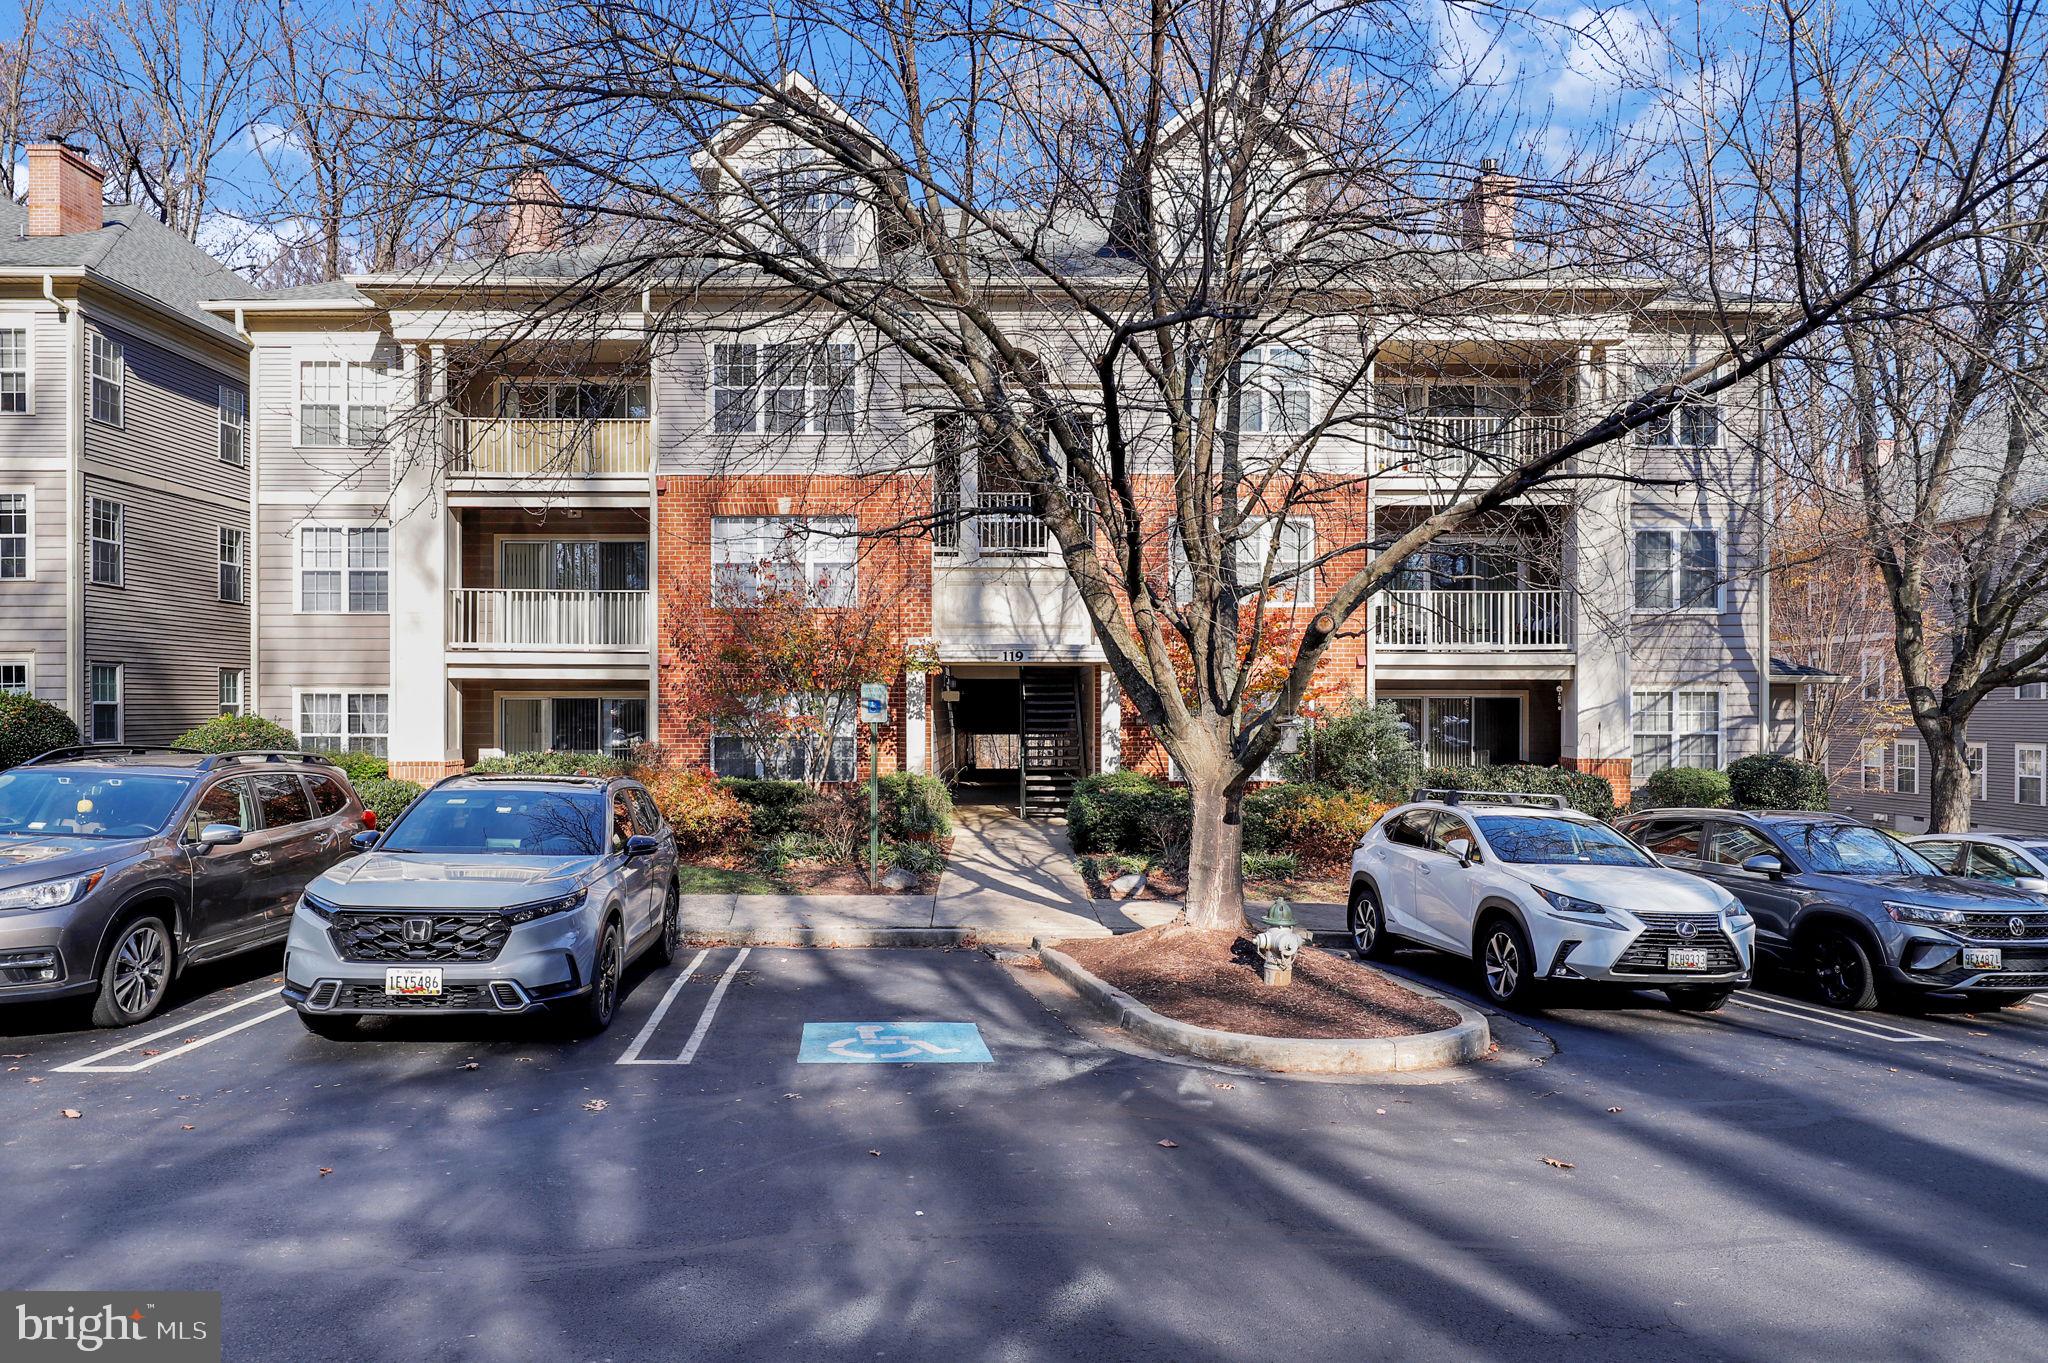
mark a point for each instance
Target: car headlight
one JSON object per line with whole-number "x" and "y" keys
{"x": 526, "y": 913}
{"x": 319, "y": 908}
{"x": 1738, "y": 917}
{"x": 1922, "y": 913}
{"x": 1565, "y": 903}
{"x": 50, "y": 894}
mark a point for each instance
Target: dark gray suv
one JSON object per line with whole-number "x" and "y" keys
{"x": 119, "y": 867}
{"x": 1862, "y": 912}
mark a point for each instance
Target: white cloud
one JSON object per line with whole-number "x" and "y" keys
{"x": 1610, "y": 51}
{"x": 272, "y": 140}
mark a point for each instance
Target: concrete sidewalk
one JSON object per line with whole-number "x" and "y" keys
{"x": 1009, "y": 882}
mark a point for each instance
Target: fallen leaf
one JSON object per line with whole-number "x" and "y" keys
{"x": 470, "y": 1066}
{"x": 792, "y": 1095}
{"x": 15, "y": 1055}
{"x": 876, "y": 1153}
{"x": 1558, "y": 1163}
{"x": 35, "y": 1079}
{"x": 72, "y": 1113}
{"x": 186, "y": 1127}
{"x": 1980, "y": 1034}
{"x": 1223, "y": 1086}
{"x": 152, "y": 1052}
{"x": 325, "y": 1171}
{"x": 190, "y": 1040}
{"x": 596, "y": 1105}
{"x": 1169, "y": 1145}
{"x": 1379, "y": 1112}
{"x": 1614, "y": 1109}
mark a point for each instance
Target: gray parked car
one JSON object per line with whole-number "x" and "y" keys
{"x": 1859, "y": 910}
{"x": 119, "y": 867}
{"x": 490, "y": 894}
{"x": 2021, "y": 862}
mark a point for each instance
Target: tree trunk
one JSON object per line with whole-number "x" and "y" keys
{"x": 1215, "y": 867}
{"x": 1948, "y": 805}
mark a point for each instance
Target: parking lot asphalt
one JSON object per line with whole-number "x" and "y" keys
{"x": 1771, "y": 1182}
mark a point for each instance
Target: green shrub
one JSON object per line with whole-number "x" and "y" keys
{"x": 1128, "y": 811}
{"x": 918, "y": 858}
{"x": 915, "y": 806}
{"x": 234, "y": 733}
{"x": 386, "y": 798}
{"x": 1772, "y": 781}
{"x": 1684, "y": 788}
{"x": 360, "y": 766}
{"x": 1271, "y": 866}
{"x": 551, "y": 764}
{"x": 1317, "y": 825}
{"x": 775, "y": 807}
{"x": 29, "y": 726}
{"x": 1583, "y": 791}
{"x": 1363, "y": 748}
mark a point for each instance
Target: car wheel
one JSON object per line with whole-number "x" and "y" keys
{"x": 1841, "y": 970}
{"x": 1368, "y": 924}
{"x": 670, "y": 942}
{"x": 1507, "y": 967}
{"x": 592, "y": 1013}
{"x": 1699, "y": 998}
{"x": 332, "y": 1026}
{"x": 137, "y": 974}
{"x": 1997, "y": 998}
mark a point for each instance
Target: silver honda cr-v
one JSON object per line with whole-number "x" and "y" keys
{"x": 489, "y": 894}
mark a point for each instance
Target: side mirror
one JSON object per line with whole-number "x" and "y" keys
{"x": 365, "y": 840}
{"x": 1462, "y": 849}
{"x": 1765, "y": 864}
{"x": 2032, "y": 885}
{"x": 640, "y": 845}
{"x": 219, "y": 835}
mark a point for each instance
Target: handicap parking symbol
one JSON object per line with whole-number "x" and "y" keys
{"x": 893, "y": 1043}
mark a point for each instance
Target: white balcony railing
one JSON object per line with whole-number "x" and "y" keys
{"x": 992, "y": 523}
{"x": 1447, "y": 448}
{"x": 501, "y": 445}
{"x": 1536, "y": 619}
{"x": 510, "y": 617}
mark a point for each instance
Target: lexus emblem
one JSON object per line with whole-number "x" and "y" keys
{"x": 419, "y": 930}
{"x": 1688, "y": 930}
{"x": 2017, "y": 926}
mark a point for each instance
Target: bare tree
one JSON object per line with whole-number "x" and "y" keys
{"x": 24, "y": 91}
{"x": 1141, "y": 267}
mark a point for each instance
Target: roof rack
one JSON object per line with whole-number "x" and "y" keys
{"x": 1443, "y": 795}
{"x": 103, "y": 750}
{"x": 584, "y": 778}
{"x": 264, "y": 755}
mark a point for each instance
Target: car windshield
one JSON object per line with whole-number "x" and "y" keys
{"x": 2037, "y": 850}
{"x": 542, "y": 823}
{"x": 1558, "y": 842}
{"x": 53, "y": 802}
{"x": 1849, "y": 849}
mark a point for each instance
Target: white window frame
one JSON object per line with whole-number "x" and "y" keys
{"x": 758, "y": 389}
{"x": 1873, "y": 674}
{"x": 1296, "y": 591}
{"x": 300, "y": 568}
{"x": 348, "y": 740}
{"x": 233, "y": 412}
{"x": 1255, "y": 382}
{"x": 1668, "y": 432}
{"x": 27, "y": 663}
{"x": 1902, "y": 748}
{"x": 796, "y": 187}
{"x": 27, "y": 493}
{"x": 1675, "y": 535}
{"x": 547, "y": 700}
{"x": 379, "y": 378}
{"x": 241, "y": 690}
{"x": 1871, "y": 764}
{"x": 1676, "y": 734}
{"x": 814, "y": 531}
{"x": 238, "y": 536}
{"x": 93, "y": 540}
{"x": 1977, "y": 758}
{"x": 2039, "y": 776}
{"x": 25, "y": 323}
{"x": 2031, "y": 691}
{"x": 847, "y": 731}
{"x": 93, "y": 703}
{"x": 103, "y": 350}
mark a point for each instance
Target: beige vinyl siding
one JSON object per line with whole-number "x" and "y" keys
{"x": 170, "y": 426}
{"x": 327, "y": 652}
{"x": 300, "y": 474}
{"x": 34, "y": 449}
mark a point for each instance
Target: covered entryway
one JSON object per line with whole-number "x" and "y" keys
{"x": 1013, "y": 736}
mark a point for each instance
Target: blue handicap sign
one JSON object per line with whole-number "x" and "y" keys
{"x": 892, "y": 1043}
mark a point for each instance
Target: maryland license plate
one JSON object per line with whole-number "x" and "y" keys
{"x": 1686, "y": 958}
{"x": 412, "y": 983}
{"x": 1983, "y": 958}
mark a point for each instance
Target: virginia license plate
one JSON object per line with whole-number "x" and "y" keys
{"x": 1685, "y": 958}
{"x": 400, "y": 983}
{"x": 1983, "y": 958}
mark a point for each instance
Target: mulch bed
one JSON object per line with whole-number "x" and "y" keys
{"x": 1211, "y": 979}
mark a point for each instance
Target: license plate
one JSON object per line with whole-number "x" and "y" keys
{"x": 1686, "y": 958}
{"x": 1983, "y": 958}
{"x": 401, "y": 983}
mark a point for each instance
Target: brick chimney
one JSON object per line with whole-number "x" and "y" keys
{"x": 1489, "y": 218}
{"x": 534, "y": 222}
{"x": 64, "y": 191}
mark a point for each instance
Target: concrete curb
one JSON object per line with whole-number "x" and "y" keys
{"x": 794, "y": 935}
{"x": 1468, "y": 1041}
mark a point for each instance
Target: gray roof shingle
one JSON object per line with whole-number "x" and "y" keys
{"x": 131, "y": 249}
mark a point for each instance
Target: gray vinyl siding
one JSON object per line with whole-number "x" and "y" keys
{"x": 327, "y": 652}
{"x": 165, "y": 624}
{"x": 2001, "y": 723}
{"x": 34, "y": 449}
{"x": 170, "y": 427}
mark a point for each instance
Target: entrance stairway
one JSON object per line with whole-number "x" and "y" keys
{"x": 1054, "y": 756}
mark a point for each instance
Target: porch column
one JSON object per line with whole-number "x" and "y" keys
{"x": 1110, "y": 735}
{"x": 1594, "y": 732}
{"x": 423, "y": 701}
{"x": 916, "y": 742}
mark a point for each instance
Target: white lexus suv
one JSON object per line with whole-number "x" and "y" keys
{"x": 1537, "y": 892}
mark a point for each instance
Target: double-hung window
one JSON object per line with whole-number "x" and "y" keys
{"x": 1870, "y": 674}
{"x": 1292, "y": 578}
{"x": 2030, "y": 773}
{"x": 234, "y": 426}
{"x": 1694, "y": 424}
{"x": 14, "y": 677}
{"x": 345, "y": 721}
{"x": 234, "y": 690}
{"x": 1905, "y": 766}
{"x": 782, "y": 388}
{"x": 108, "y": 545}
{"x": 816, "y": 217}
{"x": 1892, "y": 766}
{"x": 1872, "y": 763}
{"x": 342, "y": 402}
{"x": 344, "y": 569}
{"x": 1272, "y": 390}
{"x": 14, "y": 386}
{"x": 106, "y": 378}
{"x": 234, "y": 563}
{"x": 800, "y": 755}
{"x": 754, "y": 556}
{"x": 1677, "y": 569}
{"x": 1679, "y": 728}
{"x": 1976, "y": 757}
{"x": 16, "y": 522}
{"x": 2031, "y": 691}
{"x": 105, "y": 719}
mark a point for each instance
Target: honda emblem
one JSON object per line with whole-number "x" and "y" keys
{"x": 419, "y": 931}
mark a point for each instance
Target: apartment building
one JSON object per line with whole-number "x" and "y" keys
{"x": 473, "y": 538}
{"x": 125, "y": 538}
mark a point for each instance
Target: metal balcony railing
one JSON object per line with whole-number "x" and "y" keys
{"x": 1000, "y": 524}
{"x": 1526, "y": 620}
{"x": 512, "y": 617}
{"x": 1448, "y": 447}
{"x": 503, "y": 445}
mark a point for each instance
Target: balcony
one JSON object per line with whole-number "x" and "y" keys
{"x": 1535, "y": 620}
{"x": 1448, "y": 448}
{"x": 525, "y": 447}
{"x": 519, "y": 619}
{"x": 992, "y": 525}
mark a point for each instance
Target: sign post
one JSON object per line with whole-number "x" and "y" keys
{"x": 874, "y": 711}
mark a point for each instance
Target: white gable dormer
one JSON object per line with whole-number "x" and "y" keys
{"x": 1194, "y": 177}
{"x": 780, "y": 173}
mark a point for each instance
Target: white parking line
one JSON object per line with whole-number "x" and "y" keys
{"x": 632, "y": 1055}
{"x": 697, "y": 1033}
{"x": 704, "y": 1022}
{"x": 91, "y": 1064}
{"x": 1882, "y": 1031}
